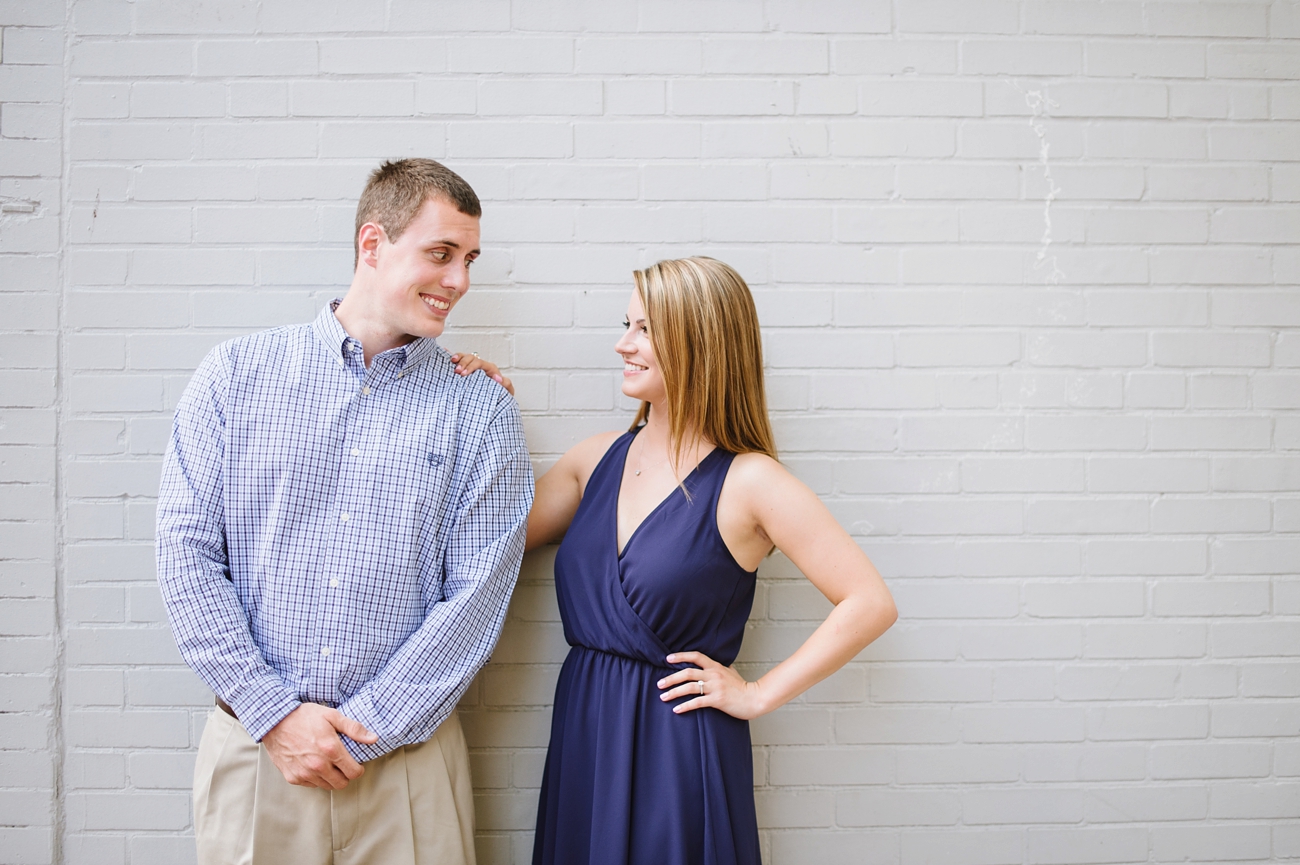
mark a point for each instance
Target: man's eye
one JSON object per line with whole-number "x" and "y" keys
{"x": 439, "y": 255}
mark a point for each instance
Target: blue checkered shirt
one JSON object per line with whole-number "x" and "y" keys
{"x": 340, "y": 535}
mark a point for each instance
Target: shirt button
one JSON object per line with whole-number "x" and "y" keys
{"x": 325, "y": 652}
{"x": 343, "y": 517}
{"x": 356, "y": 452}
{"x": 334, "y": 584}
{"x": 365, "y": 391}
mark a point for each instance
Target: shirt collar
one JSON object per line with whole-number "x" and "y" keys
{"x": 330, "y": 331}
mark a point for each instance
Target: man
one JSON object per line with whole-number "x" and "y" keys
{"x": 340, "y": 526}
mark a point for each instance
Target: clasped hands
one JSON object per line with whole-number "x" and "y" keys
{"x": 306, "y": 748}
{"x": 724, "y": 689}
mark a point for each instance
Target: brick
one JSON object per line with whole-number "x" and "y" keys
{"x": 1236, "y": 101}
{"x": 1220, "y": 842}
{"x": 1143, "y": 722}
{"x": 1275, "y": 142}
{"x": 961, "y": 390}
{"x": 1271, "y": 680}
{"x": 1206, "y": 183}
{"x": 744, "y": 139}
{"x": 1104, "y": 683}
{"x": 886, "y": 56}
{"x": 1087, "y": 516}
{"x": 1256, "y": 639}
{"x": 974, "y": 517}
{"x": 351, "y": 98}
{"x": 1020, "y": 641}
{"x": 1146, "y": 640}
{"x": 830, "y": 766}
{"x": 1254, "y": 719}
{"x": 1021, "y": 474}
{"x": 896, "y": 476}
{"x": 1208, "y": 680}
{"x": 897, "y": 807}
{"x": 1022, "y": 57}
{"x": 1085, "y": 434}
{"x": 967, "y": 433}
{"x": 1090, "y": 762}
{"x": 1148, "y": 474}
{"x": 1157, "y": 803}
{"x": 918, "y": 684}
{"x": 1085, "y": 600}
{"x": 944, "y": 16}
{"x": 259, "y": 99}
{"x": 730, "y": 96}
{"x": 878, "y": 138}
{"x": 957, "y": 764}
{"x": 1025, "y": 805}
{"x": 1229, "y": 60}
{"x": 1022, "y": 724}
{"x": 895, "y": 726}
{"x": 1220, "y": 390}
{"x": 1136, "y": 58}
{"x": 1252, "y": 800}
{"x": 958, "y": 349}
{"x": 1211, "y": 599}
{"x": 1209, "y": 760}
{"x": 644, "y": 56}
{"x": 1256, "y": 556}
{"x": 531, "y": 55}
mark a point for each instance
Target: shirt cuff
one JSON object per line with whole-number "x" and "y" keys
{"x": 261, "y": 705}
{"x": 360, "y": 709}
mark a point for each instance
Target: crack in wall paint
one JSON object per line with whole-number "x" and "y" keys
{"x": 1040, "y": 104}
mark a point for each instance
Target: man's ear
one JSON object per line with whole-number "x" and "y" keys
{"x": 368, "y": 238}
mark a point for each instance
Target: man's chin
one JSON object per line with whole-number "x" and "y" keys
{"x": 430, "y": 329}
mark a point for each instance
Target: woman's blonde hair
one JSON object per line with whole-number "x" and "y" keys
{"x": 705, "y": 334}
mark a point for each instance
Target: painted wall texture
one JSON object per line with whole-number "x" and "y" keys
{"x": 1030, "y": 284}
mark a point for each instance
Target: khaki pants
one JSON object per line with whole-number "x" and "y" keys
{"x": 413, "y": 806}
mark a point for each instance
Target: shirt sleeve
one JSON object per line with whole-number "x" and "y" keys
{"x": 420, "y": 684}
{"x": 207, "y": 619}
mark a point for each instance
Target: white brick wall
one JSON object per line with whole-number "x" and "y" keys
{"x": 1030, "y": 280}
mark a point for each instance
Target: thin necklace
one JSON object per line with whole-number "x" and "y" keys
{"x": 640, "y": 456}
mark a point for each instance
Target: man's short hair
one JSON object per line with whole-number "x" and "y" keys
{"x": 397, "y": 190}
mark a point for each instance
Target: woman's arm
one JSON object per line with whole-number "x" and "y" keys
{"x": 559, "y": 491}
{"x": 769, "y": 505}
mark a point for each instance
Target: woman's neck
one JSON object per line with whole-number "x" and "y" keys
{"x": 656, "y": 444}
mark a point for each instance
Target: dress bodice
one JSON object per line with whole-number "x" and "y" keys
{"x": 675, "y": 587}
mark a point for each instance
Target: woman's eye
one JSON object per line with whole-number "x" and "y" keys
{"x": 626, "y": 324}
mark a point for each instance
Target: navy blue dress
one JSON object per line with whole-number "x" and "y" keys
{"x": 627, "y": 780}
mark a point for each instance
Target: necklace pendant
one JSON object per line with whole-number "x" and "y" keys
{"x": 637, "y": 473}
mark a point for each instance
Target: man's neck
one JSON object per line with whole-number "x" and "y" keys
{"x": 374, "y": 337}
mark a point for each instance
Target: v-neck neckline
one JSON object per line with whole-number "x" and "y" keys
{"x": 618, "y": 496}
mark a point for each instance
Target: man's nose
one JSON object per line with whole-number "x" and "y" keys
{"x": 456, "y": 279}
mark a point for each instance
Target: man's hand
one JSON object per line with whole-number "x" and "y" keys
{"x": 306, "y": 748}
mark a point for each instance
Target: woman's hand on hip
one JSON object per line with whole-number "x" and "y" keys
{"x": 711, "y": 685}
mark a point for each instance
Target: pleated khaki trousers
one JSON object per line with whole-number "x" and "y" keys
{"x": 413, "y": 806}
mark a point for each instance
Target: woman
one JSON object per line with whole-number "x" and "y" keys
{"x": 663, "y": 529}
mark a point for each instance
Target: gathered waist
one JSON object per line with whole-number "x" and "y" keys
{"x": 663, "y": 665}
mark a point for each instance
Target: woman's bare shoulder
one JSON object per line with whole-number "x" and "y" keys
{"x": 757, "y": 468}
{"x": 582, "y": 458}
{"x": 761, "y": 480}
